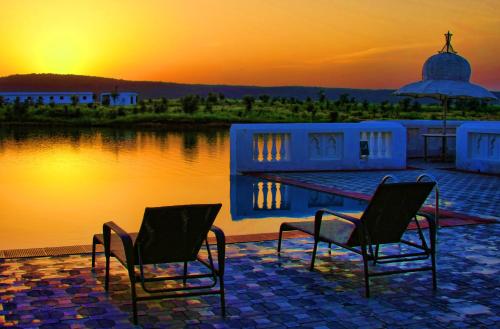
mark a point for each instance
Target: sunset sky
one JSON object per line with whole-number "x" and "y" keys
{"x": 356, "y": 43}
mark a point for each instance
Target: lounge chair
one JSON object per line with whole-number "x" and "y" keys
{"x": 171, "y": 234}
{"x": 384, "y": 221}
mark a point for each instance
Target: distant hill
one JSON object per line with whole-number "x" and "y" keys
{"x": 152, "y": 89}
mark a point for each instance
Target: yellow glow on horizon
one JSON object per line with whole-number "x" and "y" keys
{"x": 59, "y": 57}
{"x": 262, "y": 42}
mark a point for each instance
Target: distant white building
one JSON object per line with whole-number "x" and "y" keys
{"x": 48, "y": 97}
{"x": 119, "y": 98}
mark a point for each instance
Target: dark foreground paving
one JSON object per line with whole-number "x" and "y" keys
{"x": 266, "y": 291}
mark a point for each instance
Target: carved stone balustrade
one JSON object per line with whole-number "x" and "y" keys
{"x": 478, "y": 147}
{"x": 317, "y": 146}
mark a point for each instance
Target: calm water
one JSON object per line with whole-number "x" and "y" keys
{"x": 59, "y": 185}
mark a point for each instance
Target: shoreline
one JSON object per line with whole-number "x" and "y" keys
{"x": 146, "y": 125}
{"x": 79, "y": 249}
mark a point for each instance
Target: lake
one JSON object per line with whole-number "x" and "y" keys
{"x": 59, "y": 185}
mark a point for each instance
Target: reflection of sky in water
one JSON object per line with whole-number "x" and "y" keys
{"x": 60, "y": 185}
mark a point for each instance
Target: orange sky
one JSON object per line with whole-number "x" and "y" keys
{"x": 355, "y": 43}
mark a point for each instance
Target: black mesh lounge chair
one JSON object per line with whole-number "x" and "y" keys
{"x": 384, "y": 221}
{"x": 167, "y": 235}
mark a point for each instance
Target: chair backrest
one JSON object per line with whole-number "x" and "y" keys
{"x": 174, "y": 233}
{"x": 391, "y": 209}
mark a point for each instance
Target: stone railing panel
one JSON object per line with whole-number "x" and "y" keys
{"x": 324, "y": 146}
{"x": 478, "y": 147}
{"x": 269, "y": 147}
{"x": 415, "y": 129}
{"x": 328, "y": 146}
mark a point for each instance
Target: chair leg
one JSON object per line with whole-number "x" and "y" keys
{"x": 434, "y": 275}
{"x": 106, "y": 278}
{"x": 185, "y": 273}
{"x": 94, "y": 242}
{"x": 134, "y": 299}
{"x": 377, "y": 248}
{"x": 279, "y": 239}
{"x": 315, "y": 249}
{"x": 432, "y": 231}
{"x": 222, "y": 297}
{"x": 365, "y": 271}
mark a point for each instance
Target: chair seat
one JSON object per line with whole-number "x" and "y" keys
{"x": 334, "y": 230}
{"x": 116, "y": 245}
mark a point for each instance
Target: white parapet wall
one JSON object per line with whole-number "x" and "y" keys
{"x": 317, "y": 146}
{"x": 415, "y": 129}
{"x": 478, "y": 147}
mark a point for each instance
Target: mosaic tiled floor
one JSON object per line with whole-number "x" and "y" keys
{"x": 465, "y": 193}
{"x": 267, "y": 291}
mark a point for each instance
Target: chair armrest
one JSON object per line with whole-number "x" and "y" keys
{"x": 353, "y": 220}
{"x": 431, "y": 220}
{"x": 125, "y": 238}
{"x": 221, "y": 247}
{"x": 427, "y": 215}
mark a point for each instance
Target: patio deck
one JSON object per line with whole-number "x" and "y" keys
{"x": 267, "y": 291}
{"x": 463, "y": 193}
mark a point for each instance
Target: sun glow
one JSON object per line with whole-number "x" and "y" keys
{"x": 279, "y": 42}
{"x": 60, "y": 52}
{"x": 61, "y": 169}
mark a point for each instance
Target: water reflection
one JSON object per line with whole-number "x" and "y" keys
{"x": 253, "y": 198}
{"x": 117, "y": 140}
{"x": 58, "y": 185}
{"x": 190, "y": 145}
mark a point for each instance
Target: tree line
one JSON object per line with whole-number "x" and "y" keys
{"x": 254, "y": 108}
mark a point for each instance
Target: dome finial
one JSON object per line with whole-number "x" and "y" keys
{"x": 448, "y": 48}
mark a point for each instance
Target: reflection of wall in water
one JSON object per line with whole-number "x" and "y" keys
{"x": 252, "y": 197}
{"x": 270, "y": 195}
{"x": 320, "y": 199}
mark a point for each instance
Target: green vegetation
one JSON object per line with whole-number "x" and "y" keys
{"x": 216, "y": 109}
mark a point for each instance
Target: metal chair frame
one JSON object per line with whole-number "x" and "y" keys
{"x": 366, "y": 243}
{"x": 131, "y": 262}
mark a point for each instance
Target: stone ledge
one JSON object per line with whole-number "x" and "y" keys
{"x": 87, "y": 249}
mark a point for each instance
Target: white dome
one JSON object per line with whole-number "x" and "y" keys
{"x": 446, "y": 66}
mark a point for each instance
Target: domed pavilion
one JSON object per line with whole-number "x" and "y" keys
{"x": 446, "y": 75}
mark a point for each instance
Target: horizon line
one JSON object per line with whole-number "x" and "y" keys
{"x": 202, "y": 84}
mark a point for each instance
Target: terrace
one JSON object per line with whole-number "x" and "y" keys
{"x": 264, "y": 290}
{"x": 267, "y": 291}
